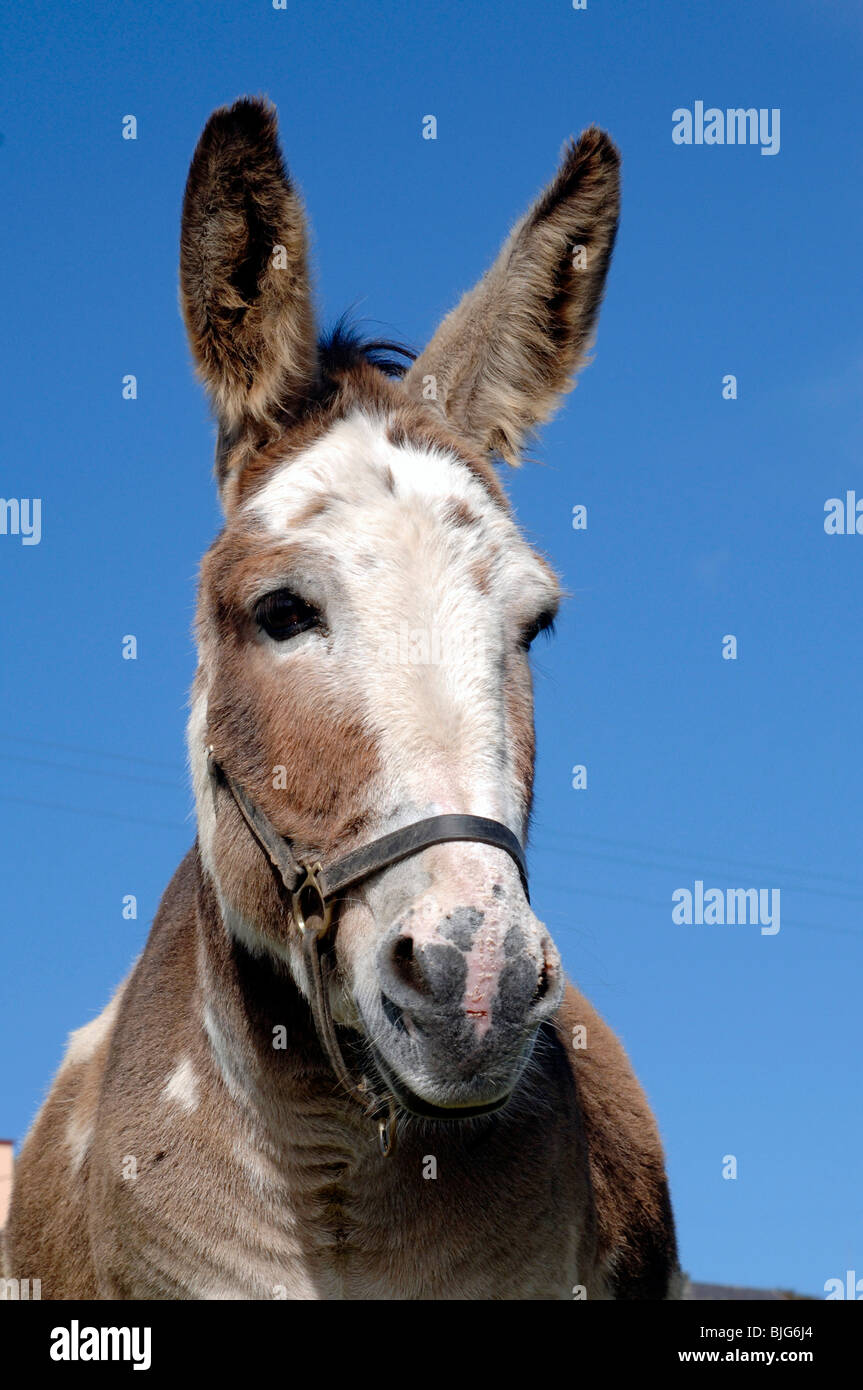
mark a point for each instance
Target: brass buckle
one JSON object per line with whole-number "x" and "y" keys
{"x": 309, "y": 901}
{"x": 387, "y": 1129}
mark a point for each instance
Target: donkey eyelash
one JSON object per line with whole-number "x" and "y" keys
{"x": 544, "y": 623}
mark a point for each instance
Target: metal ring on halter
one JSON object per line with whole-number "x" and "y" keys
{"x": 310, "y": 886}
{"x": 387, "y": 1129}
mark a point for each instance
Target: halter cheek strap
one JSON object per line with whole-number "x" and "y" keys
{"x": 312, "y": 887}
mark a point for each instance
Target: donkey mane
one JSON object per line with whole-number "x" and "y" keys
{"x": 344, "y": 348}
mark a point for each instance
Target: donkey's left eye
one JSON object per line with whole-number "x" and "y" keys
{"x": 283, "y": 615}
{"x": 544, "y": 623}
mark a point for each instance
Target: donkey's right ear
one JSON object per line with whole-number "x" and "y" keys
{"x": 244, "y": 281}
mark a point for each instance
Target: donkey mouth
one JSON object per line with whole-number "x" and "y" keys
{"x": 425, "y": 1109}
{"x": 445, "y": 1108}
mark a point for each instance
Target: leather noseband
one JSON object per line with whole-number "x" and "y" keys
{"x": 313, "y": 886}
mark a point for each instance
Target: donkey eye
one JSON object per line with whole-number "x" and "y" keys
{"x": 544, "y": 623}
{"x": 283, "y": 615}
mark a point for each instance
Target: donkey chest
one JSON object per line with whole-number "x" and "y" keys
{"x": 417, "y": 1226}
{"x": 422, "y": 1225}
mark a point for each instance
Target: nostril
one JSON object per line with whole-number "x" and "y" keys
{"x": 393, "y": 1014}
{"x": 542, "y": 986}
{"x": 403, "y": 950}
{"x": 546, "y": 980}
{"x": 406, "y": 966}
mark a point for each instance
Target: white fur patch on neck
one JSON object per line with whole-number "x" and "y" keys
{"x": 196, "y": 741}
{"x": 79, "y": 1136}
{"x": 84, "y": 1042}
{"x": 182, "y": 1086}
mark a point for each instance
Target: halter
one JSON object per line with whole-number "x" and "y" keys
{"x": 313, "y": 885}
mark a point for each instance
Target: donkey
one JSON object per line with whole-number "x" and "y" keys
{"x": 347, "y": 1064}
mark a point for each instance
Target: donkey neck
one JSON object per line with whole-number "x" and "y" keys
{"x": 263, "y": 1038}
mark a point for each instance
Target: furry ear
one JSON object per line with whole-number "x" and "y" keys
{"x": 502, "y": 358}
{"x": 244, "y": 281}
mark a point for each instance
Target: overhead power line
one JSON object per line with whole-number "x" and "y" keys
{"x": 91, "y": 752}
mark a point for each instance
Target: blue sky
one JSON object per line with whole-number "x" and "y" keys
{"x": 705, "y": 517}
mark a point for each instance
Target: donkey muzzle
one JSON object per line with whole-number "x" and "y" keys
{"x": 461, "y": 998}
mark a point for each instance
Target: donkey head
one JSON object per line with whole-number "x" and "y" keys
{"x": 365, "y": 615}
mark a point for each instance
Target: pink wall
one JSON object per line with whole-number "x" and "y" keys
{"x": 5, "y": 1178}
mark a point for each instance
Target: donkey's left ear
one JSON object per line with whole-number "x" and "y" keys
{"x": 500, "y": 361}
{"x": 244, "y": 280}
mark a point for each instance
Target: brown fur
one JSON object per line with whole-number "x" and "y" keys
{"x": 264, "y": 724}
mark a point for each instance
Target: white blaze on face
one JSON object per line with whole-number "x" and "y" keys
{"x": 421, "y": 609}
